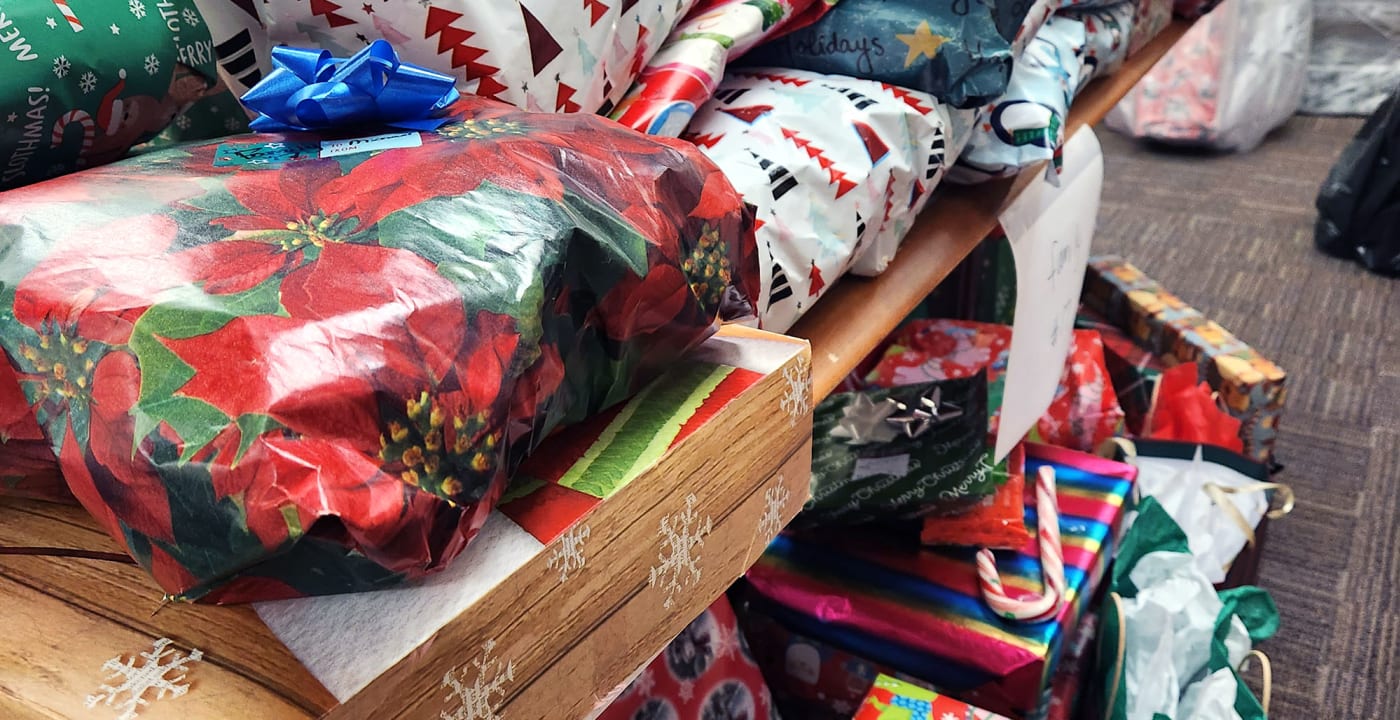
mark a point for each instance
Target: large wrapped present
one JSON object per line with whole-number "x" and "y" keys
{"x": 1250, "y": 386}
{"x": 85, "y": 80}
{"x": 310, "y": 365}
{"x": 959, "y": 53}
{"x": 1026, "y": 125}
{"x": 921, "y": 612}
{"x": 27, "y": 466}
{"x": 895, "y": 699}
{"x": 832, "y": 196}
{"x": 689, "y": 66}
{"x": 706, "y": 673}
{"x": 1237, "y": 74}
{"x": 540, "y": 55}
{"x": 1083, "y": 413}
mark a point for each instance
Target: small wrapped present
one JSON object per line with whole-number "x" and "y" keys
{"x": 831, "y": 196}
{"x": 1133, "y": 370}
{"x": 921, "y": 611}
{"x": 312, "y": 363}
{"x": 1108, "y": 34}
{"x": 83, "y": 81}
{"x": 960, "y": 54}
{"x": 894, "y": 699}
{"x": 706, "y": 673}
{"x": 1250, "y": 386}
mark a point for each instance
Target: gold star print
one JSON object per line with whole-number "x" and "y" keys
{"x": 922, "y": 42}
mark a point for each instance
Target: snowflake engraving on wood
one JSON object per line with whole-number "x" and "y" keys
{"x": 678, "y": 563}
{"x": 797, "y": 398}
{"x": 479, "y": 698}
{"x": 128, "y": 683}
{"x": 775, "y": 500}
{"x": 568, "y": 554}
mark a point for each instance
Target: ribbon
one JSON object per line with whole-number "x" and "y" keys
{"x": 311, "y": 90}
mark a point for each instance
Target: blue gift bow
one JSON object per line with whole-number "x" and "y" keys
{"x": 311, "y": 90}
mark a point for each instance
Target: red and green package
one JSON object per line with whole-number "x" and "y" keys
{"x": 997, "y": 521}
{"x": 27, "y": 467}
{"x": 270, "y": 367}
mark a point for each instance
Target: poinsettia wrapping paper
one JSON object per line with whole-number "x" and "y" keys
{"x": 956, "y": 51}
{"x": 315, "y": 376}
{"x": 540, "y": 55}
{"x": 831, "y": 196}
{"x": 689, "y": 66}
{"x": 1083, "y": 413}
{"x": 27, "y": 467}
{"x": 1108, "y": 34}
{"x": 706, "y": 673}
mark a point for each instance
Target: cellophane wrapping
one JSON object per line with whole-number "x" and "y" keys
{"x": 269, "y": 377}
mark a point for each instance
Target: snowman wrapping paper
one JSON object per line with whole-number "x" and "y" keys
{"x": 832, "y": 196}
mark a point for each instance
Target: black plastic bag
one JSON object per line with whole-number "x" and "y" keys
{"x": 1358, "y": 208}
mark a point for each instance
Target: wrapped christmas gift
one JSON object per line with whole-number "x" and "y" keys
{"x": 994, "y": 521}
{"x": 1251, "y": 387}
{"x": 27, "y": 467}
{"x": 895, "y": 699}
{"x": 689, "y": 66}
{"x": 240, "y": 41}
{"x": 898, "y": 452}
{"x": 833, "y": 195}
{"x": 540, "y": 55}
{"x": 1149, "y": 20}
{"x": 1108, "y": 34}
{"x": 959, "y": 53}
{"x": 1083, "y": 413}
{"x": 1133, "y": 370}
{"x": 1027, "y": 124}
{"x": 85, "y": 80}
{"x": 922, "y": 612}
{"x": 311, "y": 363}
{"x": 706, "y": 673}
{"x": 1234, "y": 76}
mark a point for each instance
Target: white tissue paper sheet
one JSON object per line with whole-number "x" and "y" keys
{"x": 1179, "y": 485}
{"x": 1169, "y": 626}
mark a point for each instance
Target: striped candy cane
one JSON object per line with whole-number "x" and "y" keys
{"x": 68, "y": 15}
{"x": 84, "y": 121}
{"x": 1052, "y": 565}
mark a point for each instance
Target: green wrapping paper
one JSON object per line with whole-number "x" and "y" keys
{"x": 82, "y": 81}
{"x": 866, "y": 468}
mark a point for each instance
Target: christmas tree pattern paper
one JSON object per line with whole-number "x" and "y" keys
{"x": 82, "y": 81}
{"x": 540, "y": 55}
{"x": 832, "y": 196}
{"x": 957, "y": 51}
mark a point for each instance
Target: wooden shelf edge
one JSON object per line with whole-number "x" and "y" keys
{"x": 858, "y": 313}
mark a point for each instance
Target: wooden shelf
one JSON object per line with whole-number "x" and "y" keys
{"x": 853, "y": 317}
{"x": 733, "y": 467}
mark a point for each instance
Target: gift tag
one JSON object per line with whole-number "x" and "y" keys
{"x": 267, "y": 154}
{"x": 387, "y": 141}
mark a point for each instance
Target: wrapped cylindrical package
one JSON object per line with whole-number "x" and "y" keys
{"x": 310, "y": 364}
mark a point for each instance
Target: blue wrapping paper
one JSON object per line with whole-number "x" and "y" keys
{"x": 312, "y": 90}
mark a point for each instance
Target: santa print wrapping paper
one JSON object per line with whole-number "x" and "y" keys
{"x": 1027, "y": 124}
{"x": 540, "y": 55}
{"x": 706, "y": 673}
{"x": 921, "y": 612}
{"x": 314, "y": 376}
{"x": 689, "y": 66}
{"x": 82, "y": 81}
{"x": 832, "y": 196}
{"x": 1083, "y": 413}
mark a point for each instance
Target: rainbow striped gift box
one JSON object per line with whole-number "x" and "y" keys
{"x": 921, "y": 612}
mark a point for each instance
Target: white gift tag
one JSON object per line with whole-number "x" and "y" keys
{"x": 896, "y": 465}
{"x": 387, "y": 141}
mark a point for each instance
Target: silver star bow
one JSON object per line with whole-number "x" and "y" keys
{"x": 930, "y": 411}
{"x": 864, "y": 421}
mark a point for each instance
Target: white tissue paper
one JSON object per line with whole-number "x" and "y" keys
{"x": 1179, "y": 485}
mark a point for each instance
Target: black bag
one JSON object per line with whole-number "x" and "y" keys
{"x": 1358, "y": 208}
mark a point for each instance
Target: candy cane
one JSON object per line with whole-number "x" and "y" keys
{"x": 1052, "y": 565}
{"x": 84, "y": 121}
{"x": 68, "y": 15}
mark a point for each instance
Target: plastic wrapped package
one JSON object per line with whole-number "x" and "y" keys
{"x": 690, "y": 64}
{"x": 1238, "y": 73}
{"x": 310, "y": 365}
{"x": 540, "y": 55}
{"x": 27, "y": 466}
{"x": 1027, "y": 125}
{"x": 1358, "y": 207}
{"x": 832, "y": 196}
{"x": 959, "y": 53}
{"x": 85, "y": 80}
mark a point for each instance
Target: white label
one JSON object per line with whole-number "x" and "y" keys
{"x": 388, "y": 141}
{"x": 897, "y": 465}
{"x": 1050, "y": 229}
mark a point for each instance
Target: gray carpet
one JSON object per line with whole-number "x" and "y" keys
{"x": 1232, "y": 235}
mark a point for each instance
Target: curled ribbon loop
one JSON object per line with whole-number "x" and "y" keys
{"x": 311, "y": 90}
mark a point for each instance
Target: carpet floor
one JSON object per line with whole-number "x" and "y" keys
{"x": 1232, "y": 235}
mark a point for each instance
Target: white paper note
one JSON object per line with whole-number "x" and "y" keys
{"x": 1050, "y": 229}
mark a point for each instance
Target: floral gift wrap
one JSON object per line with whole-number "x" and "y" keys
{"x": 284, "y": 365}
